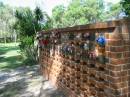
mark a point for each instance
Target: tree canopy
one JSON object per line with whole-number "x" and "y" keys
{"x": 83, "y": 12}
{"x": 126, "y": 7}
{"x": 6, "y": 20}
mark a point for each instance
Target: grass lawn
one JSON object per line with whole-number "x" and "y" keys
{"x": 9, "y": 56}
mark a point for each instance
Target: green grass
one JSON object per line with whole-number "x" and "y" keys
{"x": 9, "y": 56}
{"x": 8, "y": 44}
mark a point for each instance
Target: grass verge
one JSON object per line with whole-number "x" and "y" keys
{"x": 9, "y": 56}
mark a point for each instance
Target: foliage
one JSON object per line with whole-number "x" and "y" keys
{"x": 6, "y": 19}
{"x": 126, "y": 7}
{"x": 113, "y": 11}
{"x": 80, "y": 12}
{"x": 57, "y": 14}
{"x": 27, "y": 24}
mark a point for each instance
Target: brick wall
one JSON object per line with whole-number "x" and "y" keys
{"x": 82, "y": 75}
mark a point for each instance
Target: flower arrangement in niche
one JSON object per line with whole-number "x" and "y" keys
{"x": 62, "y": 50}
{"x": 77, "y": 57}
{"x": 79, "y": 36}
{"x": 101, "y": 41}
{"x": 86, "y": 45}
{"x": 92, "y": 55}
{"x": 100, "y": 48}
{"x": 44, "y": 41}
{"x": 86, "y": 36}
{"x": 71, "y": 36}
{"x": 65, "y": 49}
{"x": 55, "y": 37}
{"x": 71, "y": 49}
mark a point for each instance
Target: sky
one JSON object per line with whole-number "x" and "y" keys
{"x": 46, "y": 5}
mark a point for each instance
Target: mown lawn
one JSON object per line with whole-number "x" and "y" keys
{"x": 9, "y": 56}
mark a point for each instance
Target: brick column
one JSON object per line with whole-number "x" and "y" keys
{"x": 118, "y": 65}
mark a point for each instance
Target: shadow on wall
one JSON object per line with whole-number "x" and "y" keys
{"x": 52, "y": 71}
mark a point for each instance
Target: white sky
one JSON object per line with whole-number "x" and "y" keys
{"x": 46, "y": 5}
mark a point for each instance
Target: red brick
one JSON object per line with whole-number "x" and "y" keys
{"x": 126, "y": 48}
{"x": 127, "y": 60}
{"x": 114, "y": 79}
{"x": 126, "y": 54}
{"x": 125, "y": 91}
{"x": 113, "y": 67}
{"x": 125, "y": 95}
{"x": 119, "y": 85}
{"x": 115, "y": 35}
{"x": 124, "y": 78}
{"x": 117, "y": 48}
{"x": 114, "y": 42}
{"x": 115, "y": 55}
{"x": 107, "y": 35}
{"x": 107, "y": 48}
{"x": 118, "y": 61}
{"x": 118, "y": 73}
{"x": 126, "y": 36}
{"x": 125, "y": 29}
{"x": 128, "y": 71}
{"x": 125, "y": 67}
{"x": 127, "y": 42}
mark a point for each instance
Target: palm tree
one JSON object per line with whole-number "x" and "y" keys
{"x": 28, "y": 23}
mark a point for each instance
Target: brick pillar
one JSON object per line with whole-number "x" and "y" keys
{"x": 118, "y": 64}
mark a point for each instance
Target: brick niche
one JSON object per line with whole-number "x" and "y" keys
{"x": 81, "y": 74}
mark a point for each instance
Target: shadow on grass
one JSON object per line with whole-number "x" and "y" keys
{"x": 11, "y": 59}
{"x": 15, "y": 61}
{"x": 11, "y": 62}
{"x": 2, "y": 58}
{"x": 4, "y": 50}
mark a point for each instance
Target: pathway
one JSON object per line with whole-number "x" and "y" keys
{"x": 26, "y": 82}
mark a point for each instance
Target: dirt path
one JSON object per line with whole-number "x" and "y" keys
{"x": 26, "y": 82}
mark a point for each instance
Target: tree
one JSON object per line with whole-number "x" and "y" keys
{"x": 80, "y": 12}
{"x": 6, "y": 18}
{"x": 57, "y": 14}
{"x": 113, "y": 11}
{"x": 126, "y": 7}
{"x": 27, "y": 24}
